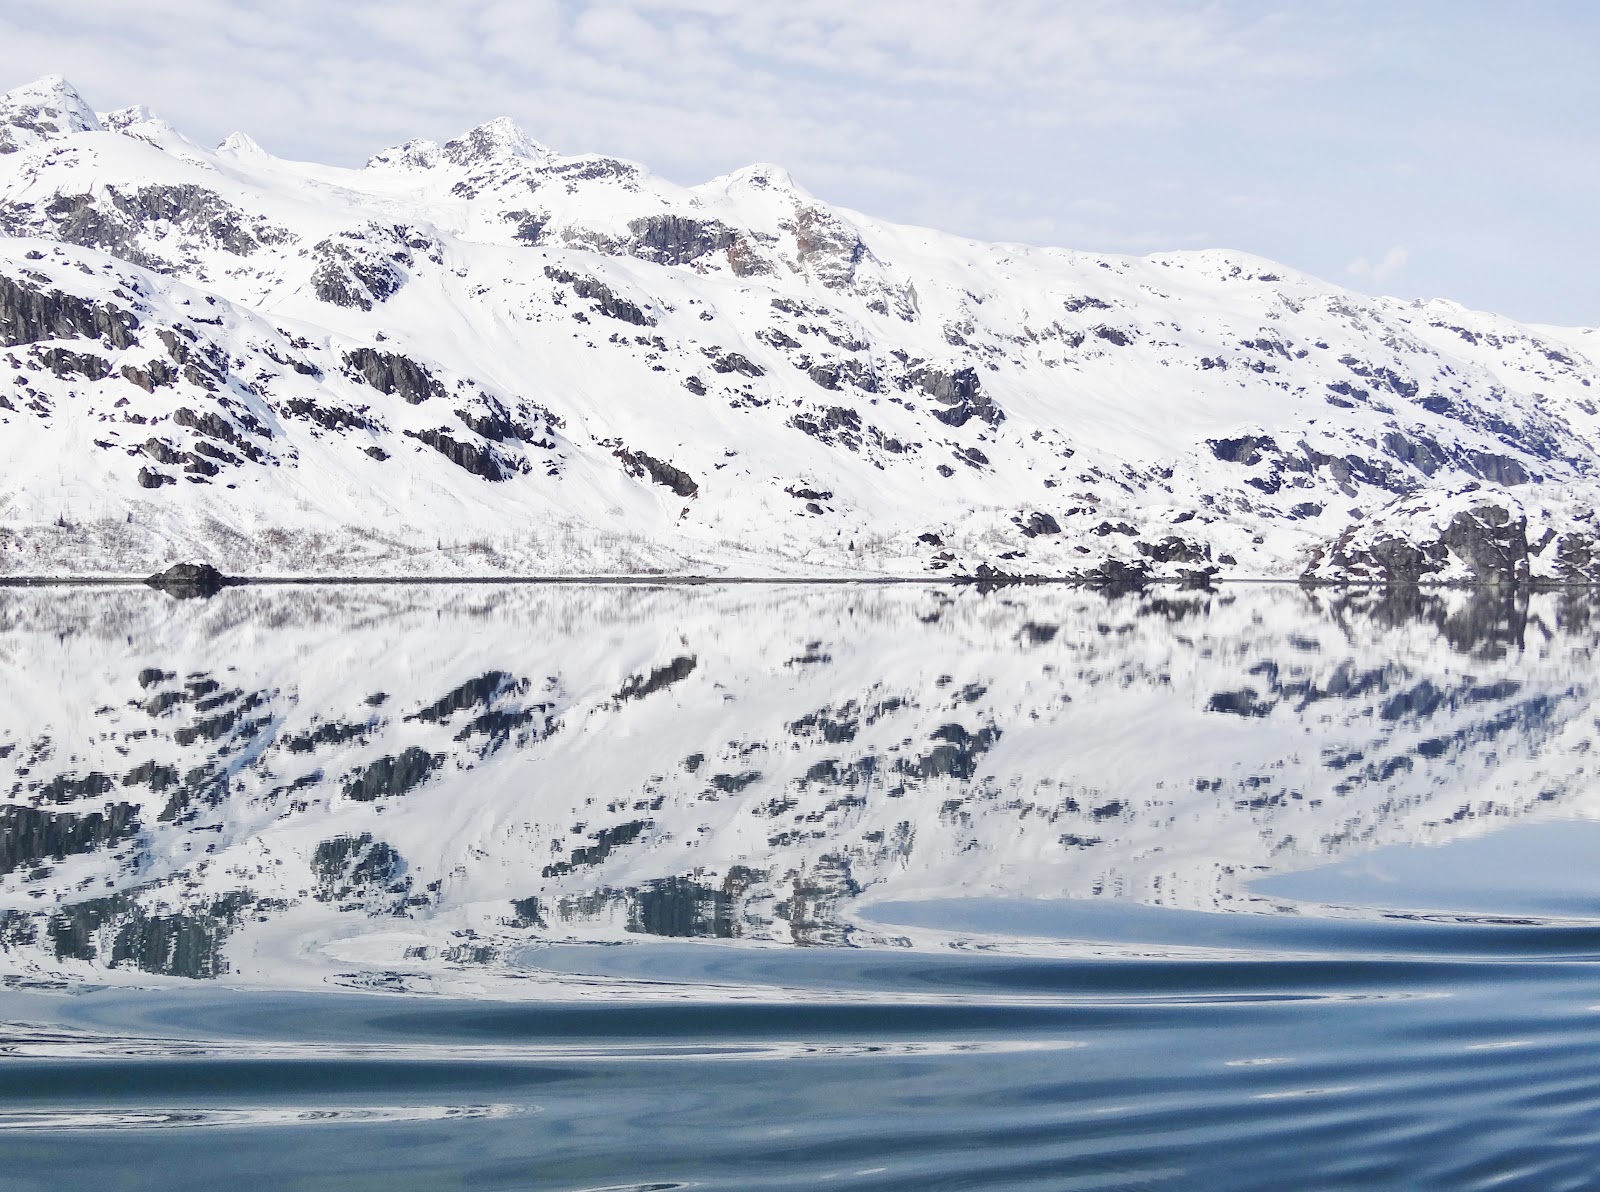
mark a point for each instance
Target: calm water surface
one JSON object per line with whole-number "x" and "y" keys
{"x": 615, "y": 888}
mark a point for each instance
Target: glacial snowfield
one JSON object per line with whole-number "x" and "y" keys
{"x": 488, "y": 358}
{"x": 425, "y": 787}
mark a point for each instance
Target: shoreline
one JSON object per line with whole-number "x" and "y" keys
{"x": 100, "y": 581}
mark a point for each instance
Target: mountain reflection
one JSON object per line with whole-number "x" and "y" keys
{"x": 391, "y": 785}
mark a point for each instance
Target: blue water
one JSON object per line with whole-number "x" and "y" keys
{"x": 1442, "y": 1067}
{"x": 1408, "y": 1013}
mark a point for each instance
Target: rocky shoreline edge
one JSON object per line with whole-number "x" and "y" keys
{"x": 201, "y": 580}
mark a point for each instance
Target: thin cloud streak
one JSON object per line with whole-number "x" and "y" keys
{"x": 1381, "y": 270}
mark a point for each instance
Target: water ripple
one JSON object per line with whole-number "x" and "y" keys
{"x": 190, "y": 1119}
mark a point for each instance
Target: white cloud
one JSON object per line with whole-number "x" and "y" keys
{"x": 621, "y": 67}
{"x": 1289, "y": 130}
{"x": 1383, "y": 269}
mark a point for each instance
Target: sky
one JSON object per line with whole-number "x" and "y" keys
{"x": 1422, "y": 148}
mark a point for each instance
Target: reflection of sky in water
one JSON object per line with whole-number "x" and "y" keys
{"x": 1520, "y": 869}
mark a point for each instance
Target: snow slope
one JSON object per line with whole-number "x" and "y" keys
{"x": 485, "y": 357}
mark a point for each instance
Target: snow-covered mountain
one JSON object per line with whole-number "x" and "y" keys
{"x": 416, "y": 784}
{"x": 485, "y": 357}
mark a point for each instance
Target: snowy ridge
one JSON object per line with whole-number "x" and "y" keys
{"x": 283, "y": 785}
{"x": 486, "y": 357}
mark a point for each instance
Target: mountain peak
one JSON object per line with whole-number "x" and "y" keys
{"x": 139, "y": 121}
{"x": 763, "y": 179}
{"x": 51, "y": 90}
{"x": 499, "y": 138}
{"x": 409, "y": 155}
{"x": 47, "y": 108}
{"x": 126, "y": 117}
{"x": 240, "y": 144}
{"x": 762, "y": 176}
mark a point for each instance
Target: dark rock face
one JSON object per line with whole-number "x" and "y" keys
{"x": 530, "y": 226}
{"x": 639, "y": 464}
{"x": 200, "y": 212}
{"x": 351, "y": 273}
{"x": 391, "y": 373}
{"x": 957, "y": 754}
{"x": 734, "y": 362}
{"x": 677, "y": 240}
{"x": 479, "y": 692}
{"x": 659, "y": 679}
{"x": 196, "y": 215}
{"x": 962, "y": 392}
{"x": 605, "y": 300}
{"x": 334, "y": 418}
{"x": 528, "y": 912}
{"x": 1420, "y": 452}
{"x": 188, "y": 580}
{"x": 151, "y": 479}
{"x": 835, "y": 374}
{"x": 470, "y": 457}
{"x": 1172, "y": 549}
{"x": 828, "y": 247}
{"x": 682, "y": 908}
{"x": 64, "y": 788}
{"x": 1246, "y": 449}
{"x": 745, "y": 261}
{"x": 1038, "y": 523}
{"x": 1192, "y": 580}
{"x": 497, "y": 424}
{"x": 213, "y": 425}
{"x": 162, "y": 452}
{"x": 1492, "y": 543}
{"x": 29, "y": 315}
{"x": 812, "y": 908}
{"x": 606, "y": 841}
{"x": 156, "y": 375}
{"x": 1497, "y": 469}
{"x": 121, "y": 932}
{"x": 1115, "y": 575}
{"x": 79, "y": 219}
{"x": 834, "y": 423}
{"x": 350, "y": 866}
{"x": 393, "y": 775}
{"x": 29, "y": 835}
{"x": 826, "y": 375}
{"x": 1578, "y": 557}
{"x": 152, "y": 774}
{"x": 64, "y": 362}
{"x": 1400, "y": 562}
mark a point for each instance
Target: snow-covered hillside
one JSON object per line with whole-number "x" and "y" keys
{"x": 415, "y": 784}
{"x": 484, "y": 357}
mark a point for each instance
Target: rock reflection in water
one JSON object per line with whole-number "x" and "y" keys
{"x": 406, "y": 786}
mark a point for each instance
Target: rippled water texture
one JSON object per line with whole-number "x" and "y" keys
{"x": 759, "y": 887}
